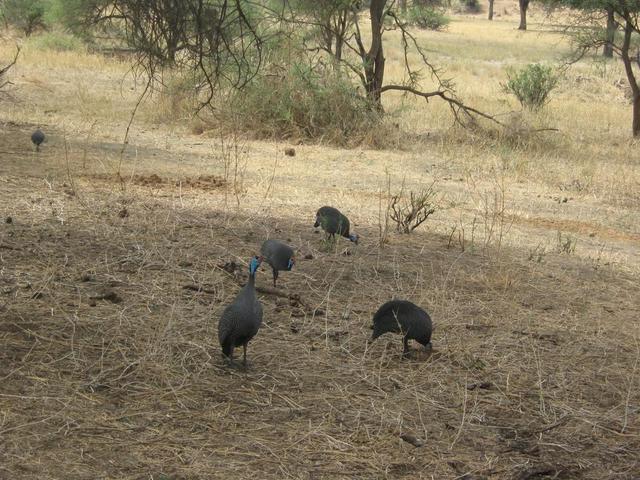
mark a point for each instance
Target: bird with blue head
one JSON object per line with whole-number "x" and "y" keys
{"x": 241, "y": 320}
{"x": 279, "y": 256}
{"x": 332, "y": 221}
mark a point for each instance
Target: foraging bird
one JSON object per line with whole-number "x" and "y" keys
{"x": 332, "y": 222}
{"x": 241, "y": 320}
{"x": 279, "y": 255}
{"x": 37, "y": 138}
{"x": 406, "y": 318}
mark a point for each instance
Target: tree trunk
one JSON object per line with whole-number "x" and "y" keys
{"x": 635, "y": 124}
{"x": 374, "y": 59}
{"x": 403, "y": 5}
{"x": 491, "y": 9}
{"x": 524, "y": 5}
{"x": 628, "y": 67}
{"x": 611, "y": 31}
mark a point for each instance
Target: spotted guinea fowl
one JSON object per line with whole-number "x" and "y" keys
{"x": 37, "y": 138}
{"x": 279, "y": 255}
{"x": 406, "y": 318}
{"x": 241, "y": 320}
{"x": 332, "y": 222}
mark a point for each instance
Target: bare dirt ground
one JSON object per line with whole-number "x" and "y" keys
{"x": 116, "y": 264}
{"x": 110, "y": 366}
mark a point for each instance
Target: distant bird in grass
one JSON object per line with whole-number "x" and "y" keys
{"x": 406, "y": 318}
{"x": 332, "y": 222}
{"x": 279, "y": 255}
{"x": 37, "y": 138}
{"x": 241, "y": 320}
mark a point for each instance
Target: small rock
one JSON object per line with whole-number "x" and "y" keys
{"x": 124, "y": 213}
{"x": 412, "y": 439}
{"x": 308, "y": 256}
{"x": 290, "y": 152}
{"x": 108, "y": 295}
{"x": 8, "y": 220}
{"x": 481, "y": 385}
{"x": 87, "y": 277}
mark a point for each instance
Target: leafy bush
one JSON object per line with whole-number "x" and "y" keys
{"x": 302, "y": 102}
{"x": 531, "y": 85}
{"x": 26, "y": 15}
{"x": 58, "y": 41}
{"x": 427, "y": 17}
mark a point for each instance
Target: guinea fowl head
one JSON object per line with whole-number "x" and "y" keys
{"x": 317, "y": 224}
{"x": 377, "y": 331}
{"x": 292, "y": 262}
{"x": 354, "y": 238}
{"x": 254, "y": 264}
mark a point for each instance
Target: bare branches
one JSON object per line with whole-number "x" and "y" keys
{"x": 410, "y": 213}
{"x": 4, "y": 70}
{"x": 219, "y": 41}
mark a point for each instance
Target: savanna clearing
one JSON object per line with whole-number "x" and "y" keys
{"x": 116, "y": 262}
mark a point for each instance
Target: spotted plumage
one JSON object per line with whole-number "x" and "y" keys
{"x": 333, "y": 222}
{"x": 406, "y": 318}
{"x": 241, "y": 320}
{"x": 278, "y": 255}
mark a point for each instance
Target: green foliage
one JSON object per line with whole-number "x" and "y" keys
{"x": 70, "y": 14}
{"x": 531, "y": 85}
{"x": 26, "y": 15}
{"x": 58, "y": 41}
{"x": 302, "y": 102}
{"x": 426, "y": 17}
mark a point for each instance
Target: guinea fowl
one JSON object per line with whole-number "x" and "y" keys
{"x": 406, "y": 318}
{"x": 332, "y": 222}
{"x": 37, "y": 138}
{"x": 241, "y": 320}
{"x": 279, "y": 255}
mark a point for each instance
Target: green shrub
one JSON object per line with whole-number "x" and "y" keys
{"x": 426, "y": 17}
{"x": 58, "y": 41}
{"x": 26, "y": 15}
{"x": 302, "y": 102}
{"x": 531, "y": 85}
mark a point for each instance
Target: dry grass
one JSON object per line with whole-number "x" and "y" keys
{"x": 110, "y": 368}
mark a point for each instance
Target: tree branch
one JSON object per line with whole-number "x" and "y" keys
{"x": 453, "y": 102}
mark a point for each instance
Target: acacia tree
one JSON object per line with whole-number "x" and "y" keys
{"x": 363, "y": 53}
{"x": 589, "y": 33}
{"x": 490, "y": 16}
{"x": 223, "y": 41}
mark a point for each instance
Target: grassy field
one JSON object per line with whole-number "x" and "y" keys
{"x": 117, "y": 262}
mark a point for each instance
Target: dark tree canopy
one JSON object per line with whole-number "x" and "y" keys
{"x": 220, "y": 41}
